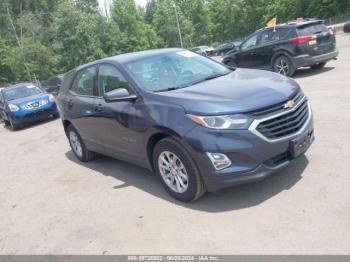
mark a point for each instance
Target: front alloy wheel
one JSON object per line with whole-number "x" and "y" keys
{"x": 177, "y": 170}
{"x": 12, "y": 124}
{"x": 173, "y": 171}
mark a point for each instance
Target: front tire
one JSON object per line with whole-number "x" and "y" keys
{"x": 282, "y": 65}
{"x": 78, "y": 146}
{"x": 13, "y": 126}
{"x": 177, "y": 171}
{"x": 231, "y": 63}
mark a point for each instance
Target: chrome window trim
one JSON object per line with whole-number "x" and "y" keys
{"x": 256, "y": 122}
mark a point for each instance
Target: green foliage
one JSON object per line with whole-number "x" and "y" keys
{"x": 41, "y": 38}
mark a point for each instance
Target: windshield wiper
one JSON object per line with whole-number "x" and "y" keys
{"x": 206, "y": 79}
{"x": 191, "y": 83}
{"x": 171, "y": 88}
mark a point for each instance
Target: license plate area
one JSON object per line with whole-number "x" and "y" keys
{"x": 299, "y": 145}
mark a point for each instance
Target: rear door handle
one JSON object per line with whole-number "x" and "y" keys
{"x": 70, "y": 103}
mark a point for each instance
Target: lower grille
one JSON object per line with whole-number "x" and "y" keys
{"x": 279, "y": 159}
{"x": 286, "y": 124}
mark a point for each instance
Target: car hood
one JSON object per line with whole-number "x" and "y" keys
{"x": 243, "y": 90}
{"x": 28, "y": 99}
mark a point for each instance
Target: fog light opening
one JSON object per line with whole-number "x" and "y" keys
{"x": 219, "y": 161}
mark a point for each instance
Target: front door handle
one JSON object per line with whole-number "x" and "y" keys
{"x": 98, "y": 108}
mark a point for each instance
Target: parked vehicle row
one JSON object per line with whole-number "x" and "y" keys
{"x": 286, "y": 47}
{"x": 199, "y": 125}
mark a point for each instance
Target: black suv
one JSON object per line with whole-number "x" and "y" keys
{"x": 286, "y": 48}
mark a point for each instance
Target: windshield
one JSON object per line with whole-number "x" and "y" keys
{"x": 21, "y": 91}
{"x": 174, "y": 70}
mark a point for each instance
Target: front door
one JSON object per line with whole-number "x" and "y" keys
{"x": 248, "y": 56}
{"x": 119, "y": 123}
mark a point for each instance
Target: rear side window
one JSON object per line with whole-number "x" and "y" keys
{"x": 84, "y": 82}
{"x": 284, "y": 33}
{"x": 312, "y": 29}
{"x": 269, "y": 36}
{"x": 109, "y": 79}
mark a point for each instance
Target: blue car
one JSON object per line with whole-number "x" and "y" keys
{"x": 24, "y": 103}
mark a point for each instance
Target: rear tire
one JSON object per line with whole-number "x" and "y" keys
{"x": 78, "y": 146}
{"x": 173, "y": 163}
{"x": 319, "y": 65}
{"x": 282, "y": 65}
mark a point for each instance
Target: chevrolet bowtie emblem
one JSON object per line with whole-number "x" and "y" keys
{"x": 289, "y": 104}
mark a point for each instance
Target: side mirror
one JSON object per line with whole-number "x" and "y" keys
{"x": 117, "y": 95}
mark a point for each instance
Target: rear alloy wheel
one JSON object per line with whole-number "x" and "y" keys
{"x": 283, "y": 66}
{"x": 179, "y": 175}
{"x": 78, "y": 146}
{"x": 319, "y": 65}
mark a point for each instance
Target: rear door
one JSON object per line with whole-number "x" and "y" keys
{"x": 323, "y": 43}
{"x": 79, "y": 104}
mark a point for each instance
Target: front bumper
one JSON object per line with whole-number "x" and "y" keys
{"x": 32, "y": 115}
{"x": 307, "y": 60}
{"x": 253, "y": 158}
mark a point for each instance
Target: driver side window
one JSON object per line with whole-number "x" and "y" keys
{"x": 250, "y": 42}
{"x": 109, "y": 79}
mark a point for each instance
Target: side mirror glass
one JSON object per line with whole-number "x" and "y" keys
{"x": 120, "y": 94}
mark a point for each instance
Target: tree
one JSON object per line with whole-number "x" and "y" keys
{"x": 135, "y": 34}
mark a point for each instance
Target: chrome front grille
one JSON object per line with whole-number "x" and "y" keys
{"x": 285, "y": 124}
{"x": 274, "y": 109}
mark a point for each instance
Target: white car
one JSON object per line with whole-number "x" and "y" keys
{"x": 203, "y": 50}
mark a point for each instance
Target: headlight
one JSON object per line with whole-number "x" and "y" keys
{"x": 223, "y": 122}
{"x": 13, "y": 108}
{"x": 51, "y": 98}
